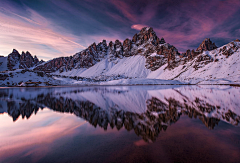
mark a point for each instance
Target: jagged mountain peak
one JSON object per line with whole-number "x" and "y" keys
{"x": 15, "y": 51}
{"x": 28, "y": 53}
{"x": 145, "y": 30}
{"x": 25, "y": 60}
{"x": 162, "y": 41}
{"x": 146, "y": 34}
{"x": 206, "y": 45}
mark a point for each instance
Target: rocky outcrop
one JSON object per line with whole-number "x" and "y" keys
{"x": 26, "y": 60}
{"x": 164, "y": 53}
{"x": 13, "y": 59}
{"x": 54, "y": 64}
{"x": 115, "y": 50}
{"x": 145, "y": 35}
{"x": 23, "y": 61}
{"x": 127, "y": 45}
{"x": 84, "y": 59}
{"x": 201, "y": 60}
{"x": 190, "y": 54}
{"x": 206, "y": 45}
{"x": 230, "y": 49}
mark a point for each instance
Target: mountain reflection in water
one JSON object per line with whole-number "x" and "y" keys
{"x": 146, "y": 110}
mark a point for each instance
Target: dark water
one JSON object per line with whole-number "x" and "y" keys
{"x": 120, "y": 124}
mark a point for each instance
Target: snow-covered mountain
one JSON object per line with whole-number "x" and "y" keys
{"x": 145, "y": 56}
{"x": 16, "y": 61}
{"x": 218, "y": 66}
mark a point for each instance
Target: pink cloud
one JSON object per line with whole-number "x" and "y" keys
{"x": 138, "y": 26}
{"x": 125, "y": 9}
{"x": 24, "y": 34}
{"x": 201, "y": 22}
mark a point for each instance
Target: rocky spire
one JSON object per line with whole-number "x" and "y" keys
{"x": 15, "y": 51}
{"x": 146, "y": 34}
{"x": 26, "y": 60}
{"x": 162, "y": 41}
{"x": 206, "y": 45}
{"x": 36, "y": 60}
{"x": 13, "y": 59}
{"x": 127, "y": 47}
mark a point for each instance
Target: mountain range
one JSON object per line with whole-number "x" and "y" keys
{"x": 144, "y": 59}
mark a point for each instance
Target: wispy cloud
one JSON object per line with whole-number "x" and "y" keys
{"x": 187, "y": 23}
{"x": 29, "y": 33}
{"x": 61, "y": 28}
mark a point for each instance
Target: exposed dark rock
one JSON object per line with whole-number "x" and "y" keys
{"x": 190, "y": 54}
{"x": 206, "y": 45}
{"x": 145, "y": 35}
{"x": 127, "y": 45}
{"x": 13, "y": 59}
{"x": 229, "y": 50}
{"x": 25, "y": 60}
{"x": 162, "y": 41}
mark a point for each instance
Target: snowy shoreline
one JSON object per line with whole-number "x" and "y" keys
{"x": 98, "y": 85}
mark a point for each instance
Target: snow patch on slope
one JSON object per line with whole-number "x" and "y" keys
{"x": 133, "y": 66}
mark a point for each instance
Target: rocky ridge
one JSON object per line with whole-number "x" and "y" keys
{"x": 144, "y": 56}
{"x": 146, "y": 43}
{"x": 23, "y": 61}
{"x": 143, "y": 43}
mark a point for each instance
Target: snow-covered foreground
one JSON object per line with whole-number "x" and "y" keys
{"x": 30, "y": 78}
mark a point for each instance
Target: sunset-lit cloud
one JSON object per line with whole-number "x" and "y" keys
{"x": 53, "y": 28}
{"x": 35, "y": 35}
{"x": 138, "y": 26}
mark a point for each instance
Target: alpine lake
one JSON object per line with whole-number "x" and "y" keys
{"x": 158, "y": 123}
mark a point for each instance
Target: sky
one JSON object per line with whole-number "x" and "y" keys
{"x": 54, "y": 28}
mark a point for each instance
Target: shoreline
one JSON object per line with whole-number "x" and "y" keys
{"x": 108, "y": 85}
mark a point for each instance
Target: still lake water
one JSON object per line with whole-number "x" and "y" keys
{"x": 120, "y": 124}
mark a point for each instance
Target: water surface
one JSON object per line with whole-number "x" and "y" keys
{"x": 120, "y": 124}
